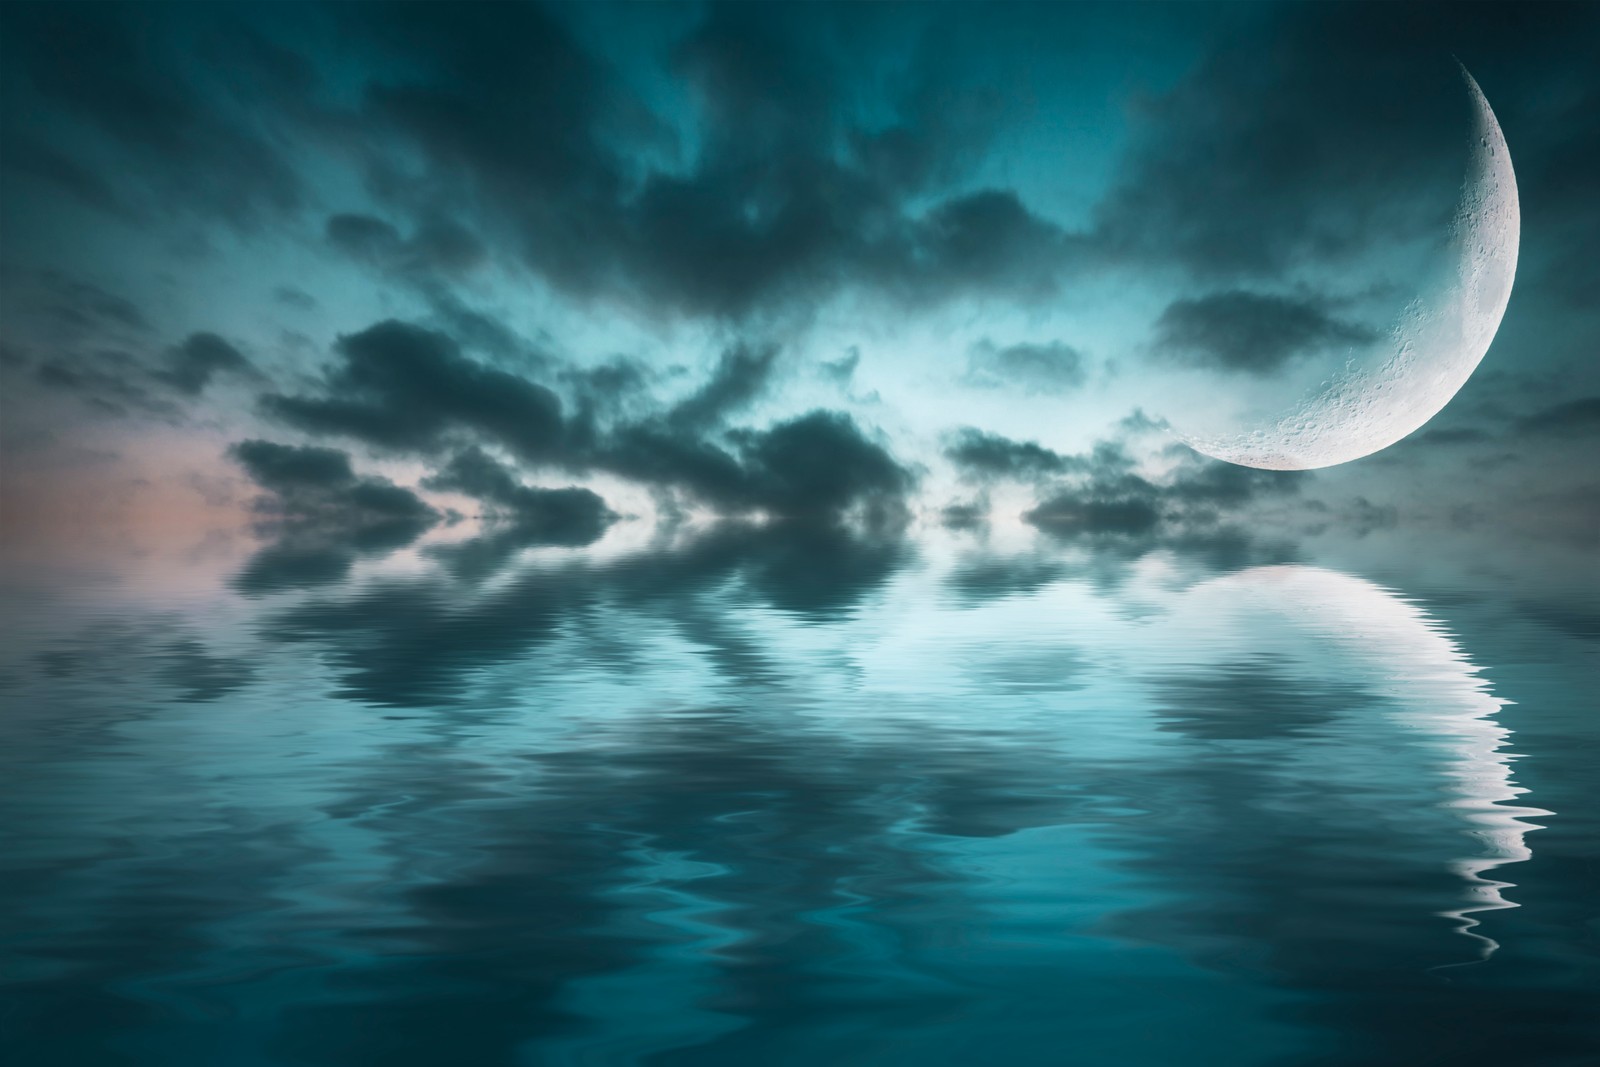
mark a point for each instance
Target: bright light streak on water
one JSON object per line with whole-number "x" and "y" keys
{"x": 796, "y": 799}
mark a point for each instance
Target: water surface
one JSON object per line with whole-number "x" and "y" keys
{"x": 785, "y": 796}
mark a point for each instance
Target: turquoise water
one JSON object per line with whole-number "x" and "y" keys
{"x": 792, "y": 797}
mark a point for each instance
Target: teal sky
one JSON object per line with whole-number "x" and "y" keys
{"x": 956, "y": 232}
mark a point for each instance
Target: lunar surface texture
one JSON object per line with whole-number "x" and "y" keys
{"x": 1428, "y": 353}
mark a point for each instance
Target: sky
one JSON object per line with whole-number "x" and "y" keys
{"x": 356, "y": 277}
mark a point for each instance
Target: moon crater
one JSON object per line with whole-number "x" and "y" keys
{"x": 1425, "y": 356}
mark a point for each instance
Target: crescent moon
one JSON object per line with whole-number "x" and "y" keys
{"x": 1434, "y": 346}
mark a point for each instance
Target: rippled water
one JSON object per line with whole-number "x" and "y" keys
{"x": 779, "y": 797}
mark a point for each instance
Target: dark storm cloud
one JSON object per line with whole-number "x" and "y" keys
{"x": 1213, "y": 516}
{"x": 516, "y": 515}
{"x": 115, "y": 382}
{"x": 1252, "y": 333}
{"x": 493, "y": 130}
{"x": 1265, "y": 156}
{"x": 294, "y": 297}
{"x": 750, "y": 177}
{"x": 63, "y": 312}
{"x": 1098, "y": 496}
{"x": 1113, "y": 500}
{"x": 82, "y": 339}
{"x": 987, "y": 456}
{"x": 439, "y": 247}
{"x": 191, "y": 366}
{"x": 79, "y": 307}
{"x": 605, "y": 388}
{"x": 1329, "y": 126}
{"x": 821, "y": 464}
{"x": 30, "y": 156}
{"x": 734, "y": 161}
{"x": 740, "y": 375}
{"x": 290, "y": 469}
{"x": 1053, "y": 367}
{"x": 841, "y": 371}
{"x": 816, "y": 467}
{"x": 476, "y": 474}
{"x": 1558, "y": 203}
{"x": 405, "y": 388}
{"x": 141, "y": 79}
{"x": 787, "y": 194}
{"x": 321, "y": 516}
{"x": 482, "y": 332}
{"x": 1514, "y": 436}
{"x": 107, "y": 380}
{"x": 306, "y": 482}
{"x": 1212, "y": 483}
{"x": 1572, "y": 418}
{"x": 364, "y": 237}
{"x": 1101, "y": 509}
{"x": 412, "y": 390}
{"x": 775, "y": 209}
{"x": 785, "y": 198}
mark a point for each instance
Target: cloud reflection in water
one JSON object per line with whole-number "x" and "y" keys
{"x": 777, "y": 794}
